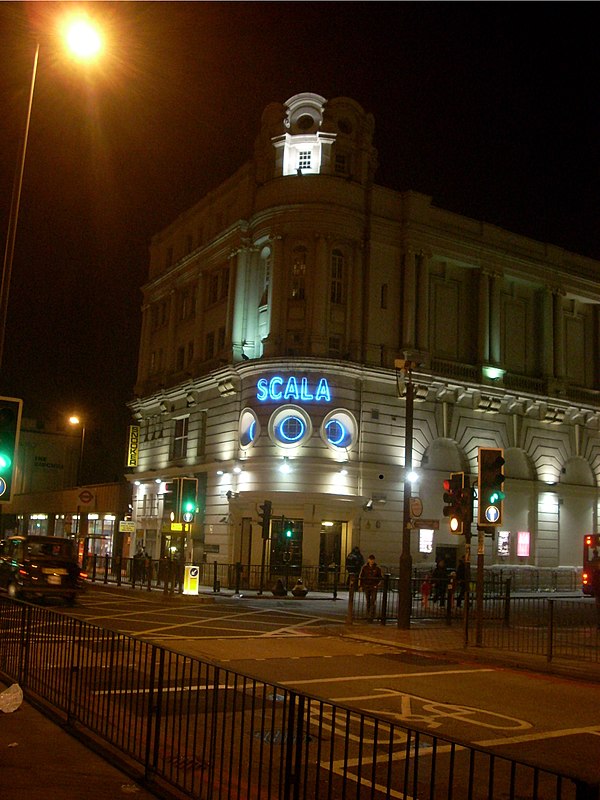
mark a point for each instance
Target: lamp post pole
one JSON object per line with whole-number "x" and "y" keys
{"x": 405, "y": 573}
{"x": 84, "y": 43}
{"x": 75, "y": 420}
{"x": 11, "y": 234}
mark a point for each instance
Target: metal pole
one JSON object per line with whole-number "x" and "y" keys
{"x": 405, "y": 574}
{"x": 11, "y": 235}
{"x": 80, "y": 462}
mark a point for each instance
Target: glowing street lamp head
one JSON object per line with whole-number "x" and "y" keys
{"x": 83, "y": 39}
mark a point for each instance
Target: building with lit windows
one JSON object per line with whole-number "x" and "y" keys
{"x": 274, "y": 315}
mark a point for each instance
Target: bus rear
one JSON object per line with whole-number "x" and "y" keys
{"x": 591, "y": 551}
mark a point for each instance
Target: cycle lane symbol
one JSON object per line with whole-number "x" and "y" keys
{"x": 433, "y": 713}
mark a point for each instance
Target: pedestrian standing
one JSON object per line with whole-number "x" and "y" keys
{"x": 370, "y": 579}
{"x": 439, "y": 579}
{"x": 354, "y": 563}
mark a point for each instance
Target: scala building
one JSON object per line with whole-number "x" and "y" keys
{"x": 275, "y": 318}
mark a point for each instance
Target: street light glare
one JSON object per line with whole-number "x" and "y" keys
{"x": 83, "y": 39}
{"x": 74, "y": 420}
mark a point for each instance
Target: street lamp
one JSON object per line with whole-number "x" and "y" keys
{"x": 74, "y": 420}
{"x": 83, "y": 42}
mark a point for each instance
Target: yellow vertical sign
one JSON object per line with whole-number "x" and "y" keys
{"x": 133, "y": 444}
{"x": 191, "y": 579}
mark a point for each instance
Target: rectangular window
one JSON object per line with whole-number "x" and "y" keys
{"x": 335, "y": 346}
{"x": 298, "y": 272}
{"x": 180, "y": 359}
{"x": 180, "y": 437}
{"x": 221, "y": 340}
{"x": 202, "y": 433}
{"x": 224, "y": 283}
{"x": 341, "y": 163}
{"x": 304, "y": 159}
{"x": 213, "y": 288}
{"x": 190, "y": 352}
{"x": 164, "y": 313}
{"x": 337, "y": 277}
{"x": 210, "y": 345}
{"x": 187, "y": 307}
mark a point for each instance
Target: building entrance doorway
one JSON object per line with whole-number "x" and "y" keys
{"x": 330, "y": 552}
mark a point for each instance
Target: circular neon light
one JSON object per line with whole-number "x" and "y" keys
{"x": 291, "y": 429}
{"x": 336, "y": 432}
{"x": 339, "y": 429}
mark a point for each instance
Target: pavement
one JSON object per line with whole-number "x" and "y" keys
{"x": 41, "y": 760}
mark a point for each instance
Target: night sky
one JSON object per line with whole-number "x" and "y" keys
{"x": 491, "y": 108}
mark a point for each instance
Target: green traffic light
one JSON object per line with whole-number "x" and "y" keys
{"x": 5, "y": 461}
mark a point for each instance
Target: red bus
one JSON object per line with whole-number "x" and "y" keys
{"x": 591, "y": 551}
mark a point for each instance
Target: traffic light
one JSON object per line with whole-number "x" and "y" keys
{"x": 454, "y": 501}
{"x": 10, "y": 424}
{"x": 490, "y": 492}
{"x": 188, "y": 499}
{"x": 171, "y": 499}
{"x": 265, "y": 518}
{"x": 288, "y": 528}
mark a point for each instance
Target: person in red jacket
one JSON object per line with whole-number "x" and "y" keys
{"x": 369, "y": 581}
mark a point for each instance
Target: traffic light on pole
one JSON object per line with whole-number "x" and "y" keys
{"x": 10, "y": 424}
{"x": 188, "y": 499}
{"x": 454, "y": 507}
{"x": 490, "y": 488}
{"x": 288, "y": 528}
{"x": 265, "y": 518}
{"x": 171, "y": 499}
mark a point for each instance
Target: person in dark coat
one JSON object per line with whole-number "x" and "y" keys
{"x": 369, "y": 580}
{"x": 439, "y": 579}
{"x": 354, "y": 563}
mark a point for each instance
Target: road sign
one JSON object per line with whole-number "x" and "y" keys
{"x": 416, "y": 506}
{"x": 126, "y": 526}
{"x": 427, "y": 524}
{"x": 191, "y": 579}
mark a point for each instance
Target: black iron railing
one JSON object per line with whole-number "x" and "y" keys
{"x": 194, "y": 729}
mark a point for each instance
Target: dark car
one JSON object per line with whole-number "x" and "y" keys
{"x": 40, "y": 566}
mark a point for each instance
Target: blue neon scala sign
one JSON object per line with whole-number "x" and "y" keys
{"x": 292, "y": 388}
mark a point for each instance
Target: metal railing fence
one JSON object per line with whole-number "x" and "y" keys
{"x": 193, "y": 729}
{"x": 155, "y": 573}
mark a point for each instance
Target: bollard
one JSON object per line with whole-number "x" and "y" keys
{"x": 106, "y": 568}
{"x": 238, "y": 577}
{"x": 506, "y": 620}
{"x": 350, "y": 613}
{"x": 384, "y": 597}
{"x": 216, "y": 583}
{"x": 118, "y": 568}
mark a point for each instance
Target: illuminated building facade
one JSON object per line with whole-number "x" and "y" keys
{"x": 273, "y": 315}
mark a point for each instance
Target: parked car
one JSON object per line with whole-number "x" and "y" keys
{"x": 40, "y": 566}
